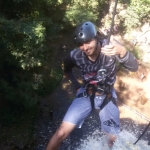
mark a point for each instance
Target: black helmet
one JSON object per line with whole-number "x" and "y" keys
{"x": 84, "y": 32}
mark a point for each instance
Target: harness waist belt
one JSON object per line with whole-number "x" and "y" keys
{"x": 84, "y": 94}
{"x": 91, "y": 94}
{"x": 91, "y": 90}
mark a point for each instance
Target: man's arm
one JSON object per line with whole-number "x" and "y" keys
{"x": 68, "y": 65}
{"x": 122, "y": 55}
{"x": 128, "y": 61}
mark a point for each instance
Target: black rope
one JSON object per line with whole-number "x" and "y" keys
{"x": 112, "y": 23}
{"x": 142, "y": 133}
{"x": 140, "y": 115}
{"x": 108, "y": 41}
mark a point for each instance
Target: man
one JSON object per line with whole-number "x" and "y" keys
{"x": 97, "y": 63}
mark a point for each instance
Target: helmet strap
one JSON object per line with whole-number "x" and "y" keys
{"x": 96, "y": 43}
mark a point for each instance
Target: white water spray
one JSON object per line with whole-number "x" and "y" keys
{"x": 124, "y": 141}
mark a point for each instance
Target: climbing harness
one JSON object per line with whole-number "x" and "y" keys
{"x": 93, "y": 91}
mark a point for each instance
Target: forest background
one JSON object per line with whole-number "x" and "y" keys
{"x": 29, "y": 33}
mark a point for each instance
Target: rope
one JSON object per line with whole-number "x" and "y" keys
{"x": 142, "y": 116}
{"x": 142, "y": 133}
{"x": 112, "y": 23}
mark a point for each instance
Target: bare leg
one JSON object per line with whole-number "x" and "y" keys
{"x": 61, "y": 134}
{"x": 111, "y": 139}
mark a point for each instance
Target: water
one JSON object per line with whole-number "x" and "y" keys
{"x": 124, "y": 141}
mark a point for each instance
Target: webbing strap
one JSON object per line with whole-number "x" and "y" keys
{"x": 92, "y": 100}
{"x": 107, "y": 99}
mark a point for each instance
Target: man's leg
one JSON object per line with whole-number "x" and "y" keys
{"x": 110, "y": 122}
{"x": 61, "y": 134}
{"x": 111, "y": 138}
{"x": 77, "y": 112}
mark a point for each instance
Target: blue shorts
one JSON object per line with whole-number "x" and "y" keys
{"x": 81, "y": 108}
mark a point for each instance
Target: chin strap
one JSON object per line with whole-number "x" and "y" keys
{"x": 96, "y": 43}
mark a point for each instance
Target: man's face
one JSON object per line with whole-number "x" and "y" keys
{"x": 89, "y": 48}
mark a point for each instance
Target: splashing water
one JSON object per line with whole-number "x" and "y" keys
{"x": 124, "y": 141}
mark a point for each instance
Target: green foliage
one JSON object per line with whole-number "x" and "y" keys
{"x": 12, "y": 9}
{"x": 22, "y": 51}
{"x": 24, "y": 41}
{"x": 23, "y": 54}
{"x": 79, "y": 11}
{"x": 22, "y": 133}
{"x": 27, "y": 33}
{"x": 136, "y": 11}
{"x": 26, "y": 36}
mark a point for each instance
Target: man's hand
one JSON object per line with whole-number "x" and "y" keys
{"x": 115, "y": 48}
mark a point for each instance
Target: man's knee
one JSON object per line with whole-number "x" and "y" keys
{"x": 64, "y": 130}
{"x": 60, "y": 133}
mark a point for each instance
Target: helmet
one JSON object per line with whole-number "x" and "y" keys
{"x": 84, "y": 32}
